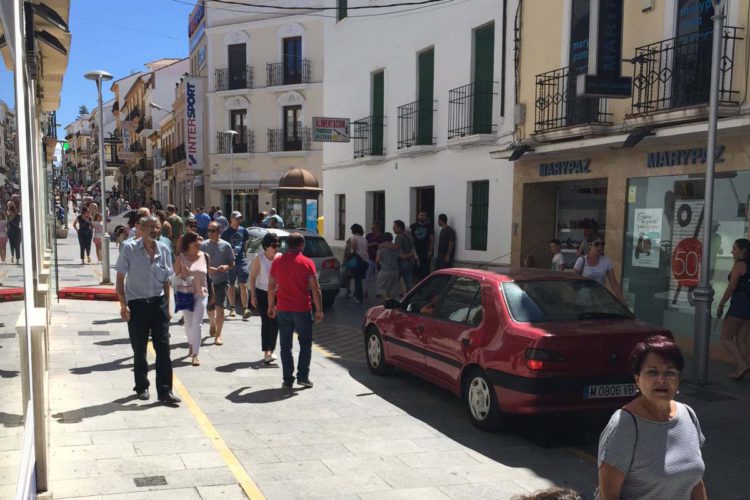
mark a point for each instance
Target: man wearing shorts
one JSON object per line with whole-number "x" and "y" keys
{"x": 221, "y": 257}
{"x": 237, "y": 236}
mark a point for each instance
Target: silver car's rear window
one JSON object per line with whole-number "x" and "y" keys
{"x": 315, "y": 246}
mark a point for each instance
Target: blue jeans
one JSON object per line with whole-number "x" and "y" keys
{"x": 405, "y": 268}
{"x": 302, "y": 322}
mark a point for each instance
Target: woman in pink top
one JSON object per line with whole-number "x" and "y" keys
{"x": 194, "y": 263}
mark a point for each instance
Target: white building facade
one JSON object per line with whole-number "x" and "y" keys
{"x": 430, "y": 94}
{"x": 265, "y": 74}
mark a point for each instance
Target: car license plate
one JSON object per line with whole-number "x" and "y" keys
{"x": 608, "y": 391}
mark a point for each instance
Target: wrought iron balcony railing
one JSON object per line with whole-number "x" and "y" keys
{"x": 470, "y": 109}
{"x": 293, "y": 71}
{"x": 145, "y": 123}
{"x": 369, "y": 136}
{"x": 178, "y": 153}
{"x": 135, "y": 112}
{"x": 244, "y": 142}
{"x": 558, "y": 106}
{"x": 415, "y": 124}
{"x": 676, "y": 72}
{"x": 228, "y": 79}
{"x": 136, "y": 147}
{"x": 298, "y": 140}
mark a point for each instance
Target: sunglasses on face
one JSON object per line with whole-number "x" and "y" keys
{"x": 598, "y": 243}
{"x": 273, "y": 245}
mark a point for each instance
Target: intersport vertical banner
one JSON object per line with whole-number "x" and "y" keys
{"x": 195, "y": 95}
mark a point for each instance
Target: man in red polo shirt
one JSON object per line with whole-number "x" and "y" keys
{"x": 292, "y": 279}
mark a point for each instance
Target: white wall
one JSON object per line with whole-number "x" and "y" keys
{"x": 357, "y": 47}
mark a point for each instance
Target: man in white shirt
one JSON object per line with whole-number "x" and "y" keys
{"x": 558, "y": 261}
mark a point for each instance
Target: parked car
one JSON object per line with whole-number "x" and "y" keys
{"x": 316, "y": 248}
{"x": 516, "y": 341}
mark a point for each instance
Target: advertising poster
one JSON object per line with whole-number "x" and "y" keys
{"x": 311, "y": 216}
{"x": 646, "y": 237}
{"x": 687, "y": 229}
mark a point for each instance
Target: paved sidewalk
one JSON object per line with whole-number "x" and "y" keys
{"x": 352, "y": 436}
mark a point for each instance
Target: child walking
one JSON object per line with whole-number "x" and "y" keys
{"x": 98, "y": 235}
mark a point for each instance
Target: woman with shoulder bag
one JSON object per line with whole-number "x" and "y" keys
{"x": 598, "y": 267}
{"x": 359, "y": 252}
{"x": 651, "y": 448}
{"x": 193, "y": 263}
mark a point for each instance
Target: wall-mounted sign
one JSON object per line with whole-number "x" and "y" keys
{"x": 196, "y": 17}
{"x": 195, "y": 91}
{"x": 690, "y": 156}
{"x": 201, "y": 58}
{"x": 196, "y": 38}
{"x": 564, "y": 168}
{"x": 330, "y": 129}
{"x": 604, "y": 78}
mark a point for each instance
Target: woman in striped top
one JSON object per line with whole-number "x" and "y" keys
{"x": 651, "y": 448}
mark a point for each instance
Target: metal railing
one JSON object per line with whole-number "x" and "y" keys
{"x": 416, "y": 124}
{"x": 558, "y": 106}
{"x": 300, "y": 140}
{"x": 144, "y": 123}
{"x": 227, "y": 79}
{"x": 178, "y": 153}
{"x": 369, "y": 136}
{"x": 133, "y": 113}
{"x": 244, "y": 142}
{"x": 470, "y": 109}
{"x": 136, "y": 147}
{"x": 295, "y": 70}
{"x": 676, "y": 72}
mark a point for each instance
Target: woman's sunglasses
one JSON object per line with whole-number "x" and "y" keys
{"x": 598, "y": 243}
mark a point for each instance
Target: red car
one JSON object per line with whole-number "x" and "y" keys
{"x": 517, "y": 341}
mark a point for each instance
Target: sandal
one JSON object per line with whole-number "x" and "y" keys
{"x": 219, "y": 341}
{"x": 195, "y": 361}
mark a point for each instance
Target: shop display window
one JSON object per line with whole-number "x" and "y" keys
{"x": 662, "y": 245}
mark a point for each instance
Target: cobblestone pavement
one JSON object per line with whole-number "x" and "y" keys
{"x": 353, "y": 435}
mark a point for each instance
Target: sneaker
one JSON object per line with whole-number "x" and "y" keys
{"x": 286, "y": 385}
{"x": 232, "y": 314}
{"x": 304, "y": 382}
{"x": 246, "y": 313}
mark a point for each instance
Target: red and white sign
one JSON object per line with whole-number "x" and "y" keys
{"x": 686, "y": 262}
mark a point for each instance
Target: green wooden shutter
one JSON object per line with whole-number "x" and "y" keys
{"x": 341, "y": 12}
{"x": 378, "y": 111}
{"x": 480, "y": 205}
{"x": 484, "y": 61}
{"x": 426, "y": 63}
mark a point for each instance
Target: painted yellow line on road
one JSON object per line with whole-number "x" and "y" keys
{"x": 246, "y": 483}
{"x": 583, "y": 455}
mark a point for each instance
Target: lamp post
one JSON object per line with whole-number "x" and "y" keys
{"x": 99, "y": 76}
{"x": 64, "y": 202}
{"x": 703, "y": 293}
{"x": 230, "y": 135}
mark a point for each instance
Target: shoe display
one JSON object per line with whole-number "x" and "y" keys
{"x": 144, "y": 395}
{"x": 304, "y": 382}
{"x": 169, "y": 398}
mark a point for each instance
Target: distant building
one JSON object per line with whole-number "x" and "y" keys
{"x": 8, "y": 155}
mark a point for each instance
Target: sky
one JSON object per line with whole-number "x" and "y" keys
{"x": 119, "y": 37}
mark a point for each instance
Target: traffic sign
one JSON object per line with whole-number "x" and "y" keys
{"x": 64, "y": 185}
{"x": 330, "y": 129}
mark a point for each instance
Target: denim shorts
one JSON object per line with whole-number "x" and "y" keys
{"x": 237, "y": 273}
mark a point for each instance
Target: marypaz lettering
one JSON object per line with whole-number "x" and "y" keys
{"x": 564, "y": 168}
{"x": 691, "y": 156}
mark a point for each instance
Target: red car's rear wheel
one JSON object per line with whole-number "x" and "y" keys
{"x": 481, "y": 402}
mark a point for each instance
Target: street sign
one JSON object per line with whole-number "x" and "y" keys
{"x": 64, "y": 185}
{"x": 330, "y": 129}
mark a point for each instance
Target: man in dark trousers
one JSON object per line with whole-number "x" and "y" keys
{"x": 446, "y": 244}
{"x": 424, "y": 241}
{"x": 144, "y": 304}
{"x": 292, "y": 279}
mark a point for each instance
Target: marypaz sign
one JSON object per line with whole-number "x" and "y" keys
{"x": 194, "y": 92}
{"x": 330, "y": 129}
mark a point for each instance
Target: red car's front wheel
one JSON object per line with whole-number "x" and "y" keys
{"x": 375, "y": 353}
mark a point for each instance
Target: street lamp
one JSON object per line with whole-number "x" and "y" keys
{"x": 64, "y": 202}
{"x": 99, "y": 76}
{"x": 230, "y": 135}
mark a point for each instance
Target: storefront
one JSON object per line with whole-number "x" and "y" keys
{"x": 647, "y": 203}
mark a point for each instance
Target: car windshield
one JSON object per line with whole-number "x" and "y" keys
{"x": 315, "y": 247}
{"x": 539, "y": 301}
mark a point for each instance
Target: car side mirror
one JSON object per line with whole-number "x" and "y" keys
{"x": 392, "y": 304}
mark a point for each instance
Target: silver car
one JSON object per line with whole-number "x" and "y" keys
{"x": 316, "y": 248}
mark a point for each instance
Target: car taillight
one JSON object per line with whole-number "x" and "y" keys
{"x": 330, "y": 264}
{"x": 543, "y": 359}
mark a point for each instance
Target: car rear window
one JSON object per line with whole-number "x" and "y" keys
{"x": 315, "y": 246}
{"x": 539, "y": 301}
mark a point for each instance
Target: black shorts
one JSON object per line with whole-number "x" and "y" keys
{"x": 220, "y": 294}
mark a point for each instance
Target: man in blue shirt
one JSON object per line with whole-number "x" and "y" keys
{"x": 237, "y": 236}
{"x": 203, "y": 221}
{"x": 144, "y": 304}
{"x": 272, "y": 215}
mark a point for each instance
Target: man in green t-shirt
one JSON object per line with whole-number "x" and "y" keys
{"x": 175, "y": 221}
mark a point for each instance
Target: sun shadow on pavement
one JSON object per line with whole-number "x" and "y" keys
{"x": 77, "y": 416}
{"x": 11, "y": 420}
{"x": 262, "y": 396}
{"x": 255, "y": 365}
{"x": 107, "y": 321}
{"x": 8, "y": 373}
{"x": 117, "y": 364}
{"x": 112, "y": 342}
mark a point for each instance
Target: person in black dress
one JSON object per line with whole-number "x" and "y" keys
{"x": 84, "y": 228}
{"x": 734, "y": 330}
{"x": 14, "y": 233}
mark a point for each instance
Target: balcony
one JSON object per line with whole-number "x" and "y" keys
{"x": 145, "y": 123}
{"x": 470, "y": 109}
{"x": 415, "y": 124}
{"x": 178, "y": 153}
{"x": 368, "y": 136}
{"x": 136, "y": 147}
{"x": 244, "y": 142}
{"x": 298, "y": 140}
{"x": 226, "y": 79}
{"x": 292, "y": 72}
{"x": 676, "y": 73}
{"x": 134, "y": 113}
{"x": 558, "y": 106}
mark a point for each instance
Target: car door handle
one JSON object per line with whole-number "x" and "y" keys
{"x": 466, "y": 341}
